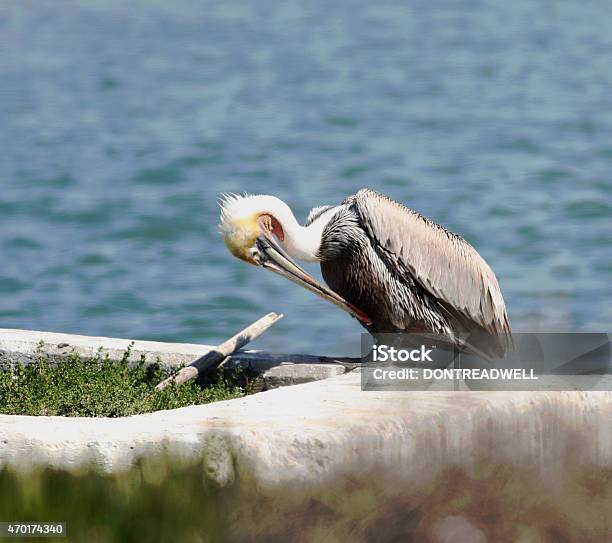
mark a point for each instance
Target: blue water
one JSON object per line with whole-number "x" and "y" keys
{"x": 121, "y": 122}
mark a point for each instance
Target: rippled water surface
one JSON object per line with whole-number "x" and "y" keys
{"x": 121, "y": 122}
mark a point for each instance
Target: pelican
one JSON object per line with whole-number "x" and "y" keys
{"x": 388, "y": 266}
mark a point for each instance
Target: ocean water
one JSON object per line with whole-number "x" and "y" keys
{"x": 121, "y": 123}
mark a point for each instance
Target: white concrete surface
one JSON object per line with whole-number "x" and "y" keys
{"x": 15, "y": 343}
{"x": 314, "y": 429}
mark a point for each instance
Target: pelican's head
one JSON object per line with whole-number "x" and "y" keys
{"x": 250, "y": 220}
{"x": 262, "y": 230}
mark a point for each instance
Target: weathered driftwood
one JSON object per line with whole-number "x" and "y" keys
{"x": 212, "y": 359}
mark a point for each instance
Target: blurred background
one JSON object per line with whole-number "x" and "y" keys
{"x": 121, "y": 123}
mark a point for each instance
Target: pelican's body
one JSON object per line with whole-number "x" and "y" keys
{"x": 390, "y": 267}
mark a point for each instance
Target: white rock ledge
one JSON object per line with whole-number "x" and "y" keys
{"x": 314, "y": 429}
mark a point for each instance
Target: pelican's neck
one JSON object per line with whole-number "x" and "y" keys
{"x": 302, "y": 242}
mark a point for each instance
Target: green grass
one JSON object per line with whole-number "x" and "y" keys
{"x": 102, "y": 388}
{"x": 157, "y": 499}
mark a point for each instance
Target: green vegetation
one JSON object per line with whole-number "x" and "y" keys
{"x": 103, "y": 388}
{"x": 158, "y": 499}
{"x": 169, "y": 499}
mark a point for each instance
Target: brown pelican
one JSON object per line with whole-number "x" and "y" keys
{"x": 388, "y": 266}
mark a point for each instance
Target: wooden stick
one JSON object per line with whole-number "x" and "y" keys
{"x": 214, "y": 357}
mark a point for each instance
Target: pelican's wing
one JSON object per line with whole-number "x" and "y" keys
{"x": 443, "y": 263}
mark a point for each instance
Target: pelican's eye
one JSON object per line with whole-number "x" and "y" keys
{"x": 255, "y": 256}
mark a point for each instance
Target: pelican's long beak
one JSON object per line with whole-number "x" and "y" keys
{"x": 273, "y": 257}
